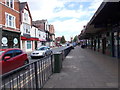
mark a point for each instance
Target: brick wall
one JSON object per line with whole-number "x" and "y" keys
{"x": 14, "y": 12}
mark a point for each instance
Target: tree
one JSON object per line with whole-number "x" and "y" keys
{"x": 62, "y": 41}
{"x": 75, "y": 39}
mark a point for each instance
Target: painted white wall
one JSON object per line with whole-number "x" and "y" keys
{"x": 26, "y": 17}
{"x": 26, "y": 21}
{"x": 42, "y": 35}
{"x": 21, "y": 29}
{"x": 39, "y": 44}
{"x": 34, "y": 32}
{"x": 46, "y": 26}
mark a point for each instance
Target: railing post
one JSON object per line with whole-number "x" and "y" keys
{"x": 52, "y": 63}
{"x": 36, "y": 76}
{"x": 63, "y": 55}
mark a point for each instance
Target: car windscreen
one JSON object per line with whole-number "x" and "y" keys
{"x": 42, "y": 48}
{"x": 1, "y": 52}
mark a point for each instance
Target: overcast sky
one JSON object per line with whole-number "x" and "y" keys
{"x": 67, "y": 16}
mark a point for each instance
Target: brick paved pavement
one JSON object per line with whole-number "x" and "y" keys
{"x": 84, "y": 68}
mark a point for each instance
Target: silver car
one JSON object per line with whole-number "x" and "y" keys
{"x": 41, "y": 52}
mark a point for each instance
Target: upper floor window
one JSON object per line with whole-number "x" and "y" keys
{"x": 10, "y": 20}
{"x": 25, "y": 16}
{"x": 26, "y": 28}
{"x": 10, "y": 3}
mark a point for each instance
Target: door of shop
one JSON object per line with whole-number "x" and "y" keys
{"x": 103, "y": 45}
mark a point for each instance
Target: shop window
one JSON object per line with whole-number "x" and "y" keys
{"x": 10, "y": 3}
{"x": 28, "y": 44}
{"x": 10, "y": 20}
{"x": 100, "y": 43}
{"x": 108, "y": 43}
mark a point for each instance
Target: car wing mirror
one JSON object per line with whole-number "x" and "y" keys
{"x": 6, "y": 58}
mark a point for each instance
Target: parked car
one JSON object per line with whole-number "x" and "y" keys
{"x": 11, "y": 59}
{"x": 41, "y": 52}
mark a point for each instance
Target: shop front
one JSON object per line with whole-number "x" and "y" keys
{"x": 116, "y": 42}
{"x": 10, "y": 39}
{"x": 28, "y": 44}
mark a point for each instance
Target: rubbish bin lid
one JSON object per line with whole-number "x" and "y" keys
{"x": 58, "y": 52}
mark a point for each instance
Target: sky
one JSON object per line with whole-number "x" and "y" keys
{"x": 67, "y": 16}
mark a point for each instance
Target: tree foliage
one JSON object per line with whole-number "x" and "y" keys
{"x": 75, "y": 39}
{"x": 63, "y": 41}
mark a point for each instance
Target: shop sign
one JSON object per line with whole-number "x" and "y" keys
{"x": 15, "y": 41}
{"x": 4, "y": 41}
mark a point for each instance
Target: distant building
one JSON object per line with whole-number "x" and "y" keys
{"x": 52, "y": 35}
{"x": 43, "y": 26}
{"x": 57, "y": 41}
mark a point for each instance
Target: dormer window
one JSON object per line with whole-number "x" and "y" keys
{"x": 25, "y": 16}
{"x": 10, "y": 3}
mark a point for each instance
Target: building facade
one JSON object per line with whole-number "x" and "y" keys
{"x": 102, "y": 33}
{"x": 52, "y": 35}
{"x": 9, "y": 24}
{"x": 27, "y": 39}
{"x": 43, "y": 26}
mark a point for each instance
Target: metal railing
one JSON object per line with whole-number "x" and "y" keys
{"x": 33, "y": 75}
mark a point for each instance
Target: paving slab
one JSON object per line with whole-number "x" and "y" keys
{"x": 84, "y": 68}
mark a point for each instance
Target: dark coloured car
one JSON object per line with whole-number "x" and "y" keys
{"x": 11, "y": 59}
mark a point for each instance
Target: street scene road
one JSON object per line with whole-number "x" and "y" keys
{"x": 54, "y": 50}
{"x": 59, "y": 44}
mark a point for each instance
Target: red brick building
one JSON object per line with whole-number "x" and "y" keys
{"x": 52, "y": 35}
{"x": 9, "y": 24}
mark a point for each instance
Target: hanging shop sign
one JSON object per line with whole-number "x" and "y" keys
{"x": 4, "y": 41}
{"x": 15, "y": 41}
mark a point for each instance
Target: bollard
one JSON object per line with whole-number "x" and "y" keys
{"x": 57, "y": 62}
